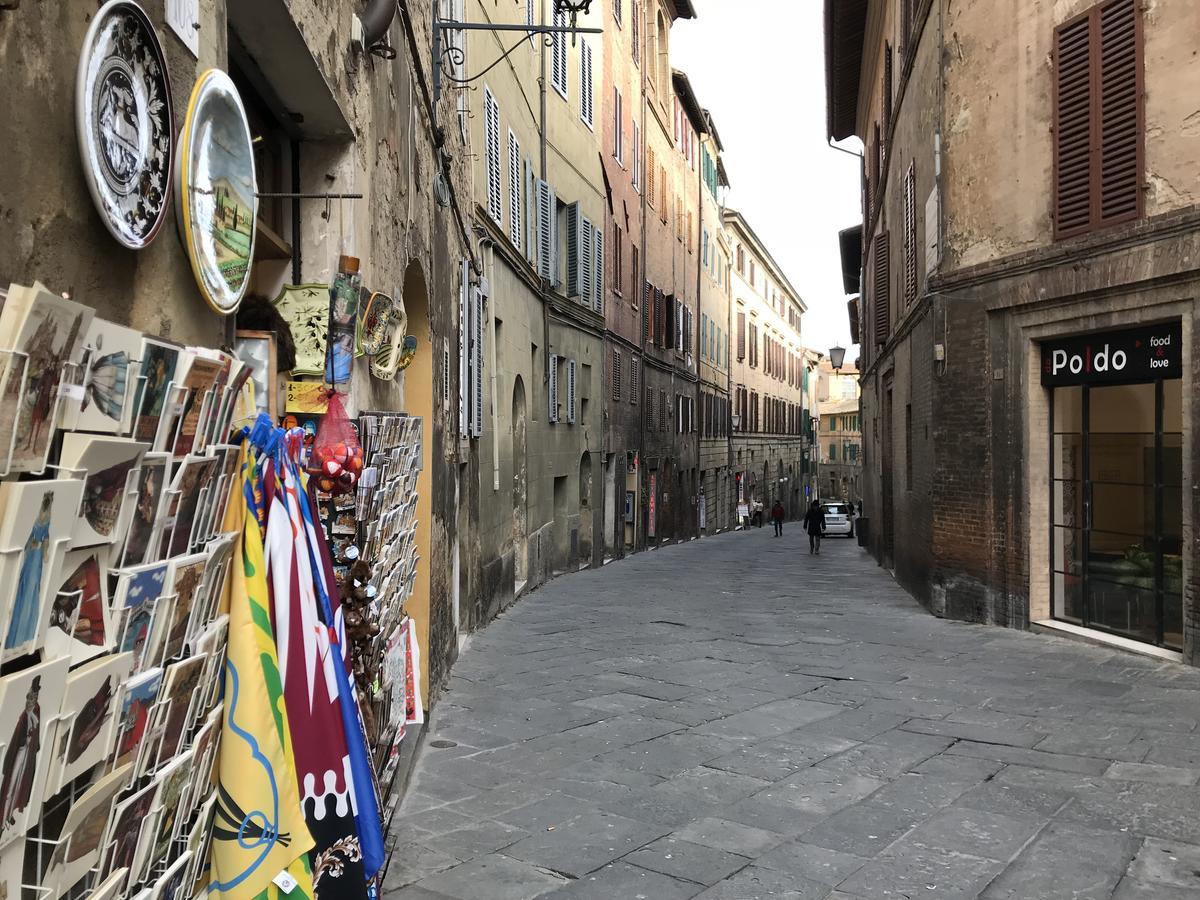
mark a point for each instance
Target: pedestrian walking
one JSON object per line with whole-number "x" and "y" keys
{"x": 777, "y": 516}
{"x": 814, "y": 524}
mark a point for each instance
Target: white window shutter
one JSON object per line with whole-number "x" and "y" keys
{"x": 678, "y": 326}
{"x": 491, "y": 141}
{"x": 516, "y": 189}
{"x": 531, "y": 214}
{"x": 585, "y": 260}
{"x": 545, "y": 224}
{"x": 552, "y": 393}
{"x": 573, "y": 268}
{"x": 571, "y": 391}
{"x": 558, "y": 56}
{"x": 464, "y": 330}
{"x": 476, "y": 362}
{"x": 586, "y": 110}
{"x": 598, "y": 270}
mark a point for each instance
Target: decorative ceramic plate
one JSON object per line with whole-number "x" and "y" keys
{"x": 124, "y": 123}
{"x": 218, "y": 202}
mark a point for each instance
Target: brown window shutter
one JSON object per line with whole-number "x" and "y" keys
{"x": 883, "y": 299}
{"x": 741, "y": 336}
{"x": 876, "y": 159}
{"x": 910, "y": 235}
{"x": 1121, "y": 111}
{"x": 887, "y": 84}
{"x": 1099, "y": 123}
{"x": 1073, "y": 127}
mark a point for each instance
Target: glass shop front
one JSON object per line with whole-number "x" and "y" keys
{"x": 1116, "y": 449}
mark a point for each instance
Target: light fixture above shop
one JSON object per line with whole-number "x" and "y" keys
{"x": 837, "y": 356}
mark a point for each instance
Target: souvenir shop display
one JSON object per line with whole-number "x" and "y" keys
{"x": 103, "y": 398}
{"x": 124, "y": 122}
{"x": 215, "y": 183}
{"x": 305, "y": 308}
{"x": 344, "y": 298}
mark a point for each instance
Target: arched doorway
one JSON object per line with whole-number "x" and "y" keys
{"x": 585, "y": 509}
{"x": 417, "y": 384}
{"x": 520, "y": 489}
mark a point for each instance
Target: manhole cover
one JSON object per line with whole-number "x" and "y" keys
{"x": 442, "y": 745}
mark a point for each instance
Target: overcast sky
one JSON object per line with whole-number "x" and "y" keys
{"x": 759, "y": 67}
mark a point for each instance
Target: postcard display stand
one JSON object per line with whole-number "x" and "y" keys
{"x": 373, "y": 532}
{"x": 112, "y": 570}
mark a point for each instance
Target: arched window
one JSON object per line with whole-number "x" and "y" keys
{"x": 663, "y": 61}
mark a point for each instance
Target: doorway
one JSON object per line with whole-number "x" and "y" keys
{"x": 1116, "y": 530}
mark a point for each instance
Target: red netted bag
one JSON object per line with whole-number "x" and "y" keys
{"x": 336, "y": 460}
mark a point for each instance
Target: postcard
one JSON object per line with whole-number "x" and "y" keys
{"x": 111, "y": 888}
{"x": 87, "y": 720}
{"x": 79, "y": 624}
{"x": 140, "y": 584}
{"x": 186, "y": 579}
{"x": 12, "y": 870}
{"x": 192, "y": 477}
{"x": 172, "y": 883}
{"x": 159, "y": 370}
{"x": 127, "y": 840}
{"x": 83, "y": 832}
{"x": 108, "y": 380}
{"x": 28, "y": 700}
{"x": 176, "y": 702}
{"x": 200, "y": 386}
{"x": 137, "y": 704}
{"x": 37, "y": 518}
{"x": 107, "y": 465}
{"x": 146, "y": 523}
{"x": 50, "y": 334}
{"x": 170, "y": 784}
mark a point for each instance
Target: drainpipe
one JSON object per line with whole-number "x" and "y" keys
{"x": 545, "y": 285}
{"x": 646, "y": 310}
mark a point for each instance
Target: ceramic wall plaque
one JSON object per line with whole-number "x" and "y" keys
{"x": 124, "y": 122}
{"x": 305, "y": 307}
{"x": 215, "y": 179}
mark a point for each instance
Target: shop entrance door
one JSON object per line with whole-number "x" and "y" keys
{"x": 1117, "y": 509}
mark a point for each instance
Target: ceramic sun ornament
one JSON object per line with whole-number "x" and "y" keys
{"x": 215, "y": 181}
{"x": 124, "y": 122}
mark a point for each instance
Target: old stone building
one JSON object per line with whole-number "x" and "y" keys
{"x": 1029, "y": 274}
{"x": 536, "y": 453}
{"x": 327, "y": 117}
{"x": 840, "y": 433}
{"x": 768, "y": 375}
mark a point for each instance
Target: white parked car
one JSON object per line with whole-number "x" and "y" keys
{"x": 838, "y": 519}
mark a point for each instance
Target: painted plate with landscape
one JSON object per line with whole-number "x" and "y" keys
{"x": 124, "y": 123}
{"x": 217, "y": 191}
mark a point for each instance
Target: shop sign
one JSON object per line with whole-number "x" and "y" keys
{"x": 653, "y": 512}
{"x": 1137, "y": 354}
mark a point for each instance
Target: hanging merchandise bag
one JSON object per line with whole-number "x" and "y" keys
{"x": 336, "y": 460}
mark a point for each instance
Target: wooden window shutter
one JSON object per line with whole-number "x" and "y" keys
{"x": 598, "y": 269}
{"x": 574, "y": 267}
{"x": 552, "y": 392}
{"x": 634, "y": 383}
{"x": 741, "y": 336}
{"x": 616, "y": 374}
{"x": 1099, "y": 122}
{"x": 1073, "y": 116}
{"x": 910, "y": 234}
{"x": 1122, "y": 122}
{"x": 646, "y": 310}
{"x": 571, "y": 391}
{"x": 516, "y": 188}
{"x": 476, "y": 362}
{"x": 883, "y": 299}
{"x": 887, "y": 84}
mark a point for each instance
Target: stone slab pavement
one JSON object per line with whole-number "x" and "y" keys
{"x": 734, "y": 718}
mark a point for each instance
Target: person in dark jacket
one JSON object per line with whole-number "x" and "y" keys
{"x": 778, "y": 514}
{"x": 814, "y": 524}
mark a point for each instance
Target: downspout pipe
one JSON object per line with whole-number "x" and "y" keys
{"x": 376, "y": 20}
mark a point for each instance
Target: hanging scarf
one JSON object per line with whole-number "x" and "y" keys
{"x": 259, "y": 829}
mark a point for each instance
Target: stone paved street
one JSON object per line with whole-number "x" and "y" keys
{"x": 734, "y": 719}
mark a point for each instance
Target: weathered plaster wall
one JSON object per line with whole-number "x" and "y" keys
{"x": 998, "y": 116}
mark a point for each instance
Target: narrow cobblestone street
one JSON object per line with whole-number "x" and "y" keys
{"x": 734, "y": 718}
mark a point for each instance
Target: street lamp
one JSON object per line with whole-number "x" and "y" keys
{"x": 837, "y": 356}
{"x": 736, "y": 421}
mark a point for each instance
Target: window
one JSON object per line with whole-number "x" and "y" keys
{"x": 662, "y": 410}
{"x": 1099, "y": 128}
{"x": 635, "y": 31}
{"x": 887, "y": 83}
{"x": 704, "y": 335}
{"x": 691, "y": 237}
{"x": 618, "y": 125}
{"x": 547, "y": 230}
{"x": 616, "y": 5}
{"x": 634, "y": 386}
{"x": 635, "y": 276}
{"x": 491, "y": 142}
{"x": 618, "y": 277}
{"x": 832, "y": 452}
{"x": 516, "y": 188}
{"x": 741, "y": 336}
{"x": 662, "y": 192}
{"x": 753, "y": 346}
{"x": 650, "y": 173}
{"x": 752, "y": 273}
{"x": 883, "y": 300}
{"x": 586, "y": 106}
{"x": 910, "y": 234}
{"x": 741, "y": 260}
{"x": 637, "y": 157}
{"x": 616, "y": 374}
{"x": 649, "y": 409}
{"x": 558, "y": 56}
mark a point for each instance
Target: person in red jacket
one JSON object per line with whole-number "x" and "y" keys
{"x": 778, "y": 514}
